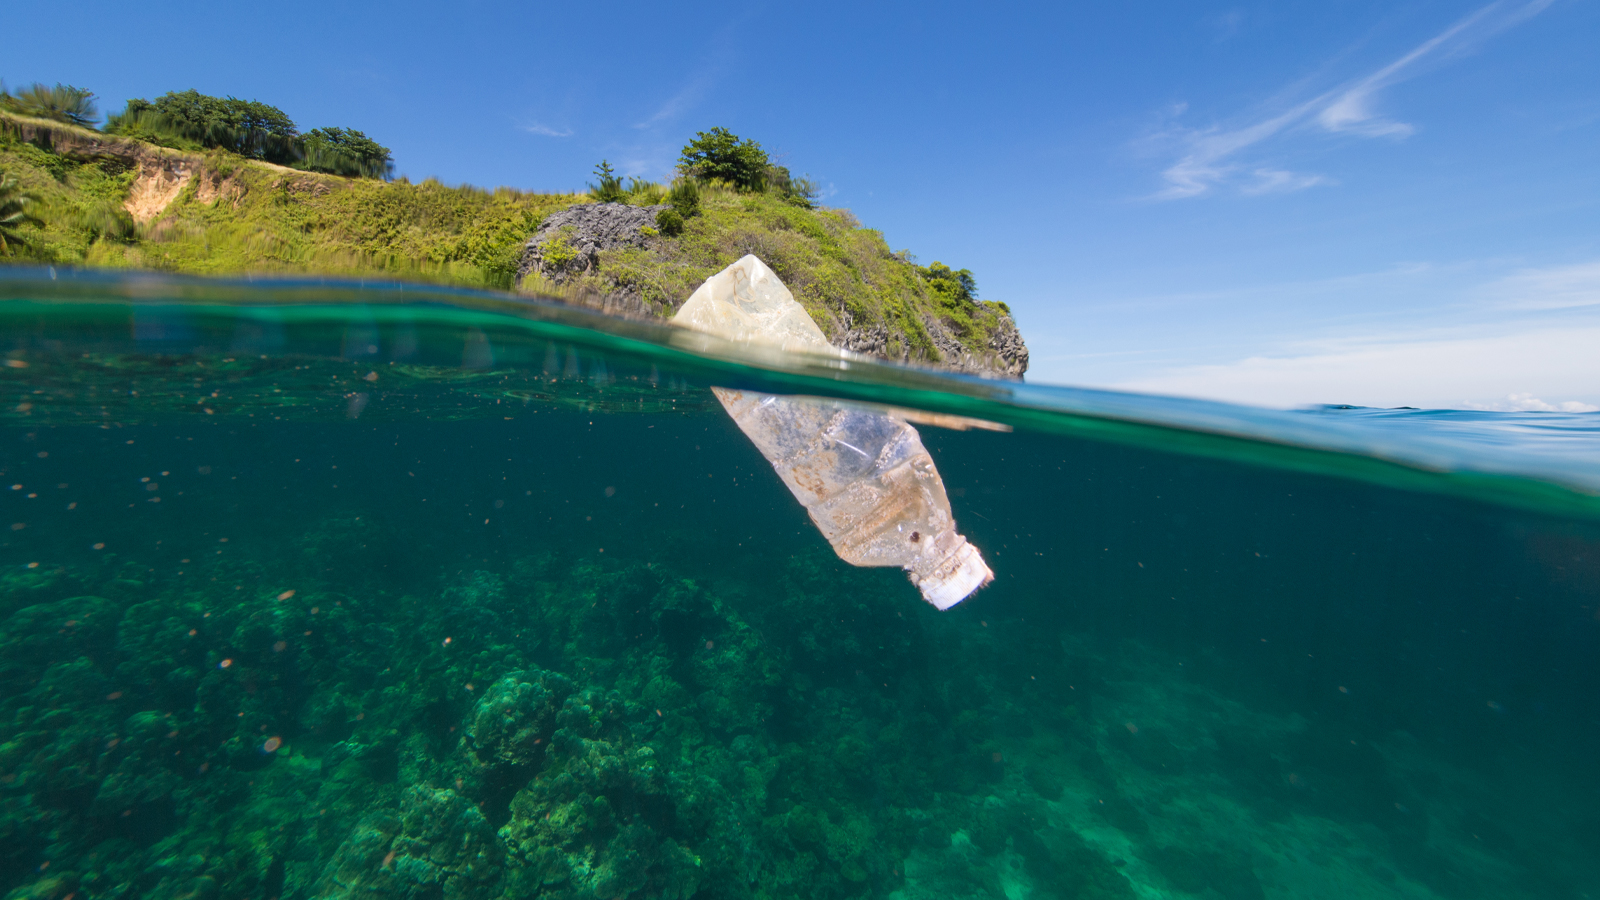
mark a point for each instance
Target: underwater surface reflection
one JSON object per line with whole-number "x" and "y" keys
{"x": 436, "y": 596}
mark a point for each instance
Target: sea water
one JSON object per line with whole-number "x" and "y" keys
{"x": 329, "y": 591}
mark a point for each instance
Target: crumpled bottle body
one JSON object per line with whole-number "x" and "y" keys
{"x": 869, "y": 485}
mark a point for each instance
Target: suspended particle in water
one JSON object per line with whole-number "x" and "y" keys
{"x": 1132, "y": 728}
{"x": 446, "y": 642}
{"x": 280, "y": 646}
{"x": 271, "y": 745}
{"x": 223, "y": 665}
{"x": 286, "y": 594}
{"x": 710, "y": 644}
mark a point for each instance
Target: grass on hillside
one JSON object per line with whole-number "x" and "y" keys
{"x": 238, "y": 216}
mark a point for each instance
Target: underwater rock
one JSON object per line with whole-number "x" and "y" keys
{"x": 35, "y": 636}
{"x": 862, "y": 474}
{"x": 516, "y": 715}
{"x": 439, "y": 846}
{"x": 594, "y": 824}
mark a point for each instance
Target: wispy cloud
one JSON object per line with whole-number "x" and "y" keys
{"x": 1557, "y": 287}
{"x": 1277, "y": 181}
{"x": 547, "y": 131}
{"x": 686, "y": 97}
{"x": 1209, "y": 157}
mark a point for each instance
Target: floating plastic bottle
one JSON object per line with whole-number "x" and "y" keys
{"x": 862, "y": 473}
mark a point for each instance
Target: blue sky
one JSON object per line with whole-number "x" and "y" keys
{"x": 1375, "y": 203}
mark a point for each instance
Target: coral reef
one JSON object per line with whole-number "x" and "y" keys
{"x": 323, "y": 717}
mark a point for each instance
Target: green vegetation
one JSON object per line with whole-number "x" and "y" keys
{"x": 14, "y": 204}
{"x": 345, "y": 151}
{"x": 190, "y": 120}
{"x": 609, "y": 190}
{"x": 669, "y": 222}
{"x": 861, "y": 294}
{"x": 721, "y": 155}
{"x": 62, "y": 103}
{"x": 685, "y": 197}
{"x": 228, "y": 216}
{"x": 186, "y": 119}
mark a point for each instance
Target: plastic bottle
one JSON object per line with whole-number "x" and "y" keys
{"x": 863, "y": 475}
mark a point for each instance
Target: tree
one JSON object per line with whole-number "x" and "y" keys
{"x": 609, "y": 190}
{"x": 63, "y": 102}
{"x": 721, "y": 154}
{"x": 345, "y": 151}
{"x": 14, "y": 204}
{"x": 951, "y": 285}
{"x": 246, "y": 127}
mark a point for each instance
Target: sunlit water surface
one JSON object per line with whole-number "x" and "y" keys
{"x": 371, "y": 592}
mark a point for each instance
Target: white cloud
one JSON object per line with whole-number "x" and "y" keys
{"x": 1559, "y": 287}
{"x": 1530, "y": 403}
{"x": 547, "y": 131}
{"x": 675, "y": 105}
{"x": 1484, "y": 370}
{"x": 1207, "y": 159}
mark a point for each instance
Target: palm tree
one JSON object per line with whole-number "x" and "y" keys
{"x": 14, "y": 205}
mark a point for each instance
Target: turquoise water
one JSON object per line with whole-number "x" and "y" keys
{"x": 320, "y": 590}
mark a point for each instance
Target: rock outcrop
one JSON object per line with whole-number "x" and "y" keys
{"x": 568, "y": 243}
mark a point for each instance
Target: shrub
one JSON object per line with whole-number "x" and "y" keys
{"x": 670, "y": 222}
{"x": 722, "y": 155}
{"x": 104, "y": 219}
{"x": 685, "y": 197}
{"x": 341, "y": 151}
{"x": 609, "y": 190}
{"x": 644, "y": 193}
{"x": 14, "y": 205}
{"x": 801, "y": 192}
{"x": 63, "y": 102}
{"x": 950, "y": 285}
{"x": 558, "y": 252}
